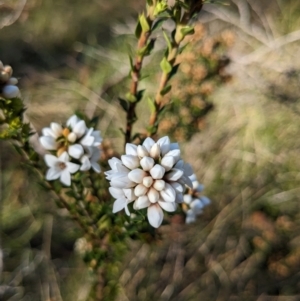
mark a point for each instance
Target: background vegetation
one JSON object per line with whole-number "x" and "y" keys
{"x": 246, "y": 245}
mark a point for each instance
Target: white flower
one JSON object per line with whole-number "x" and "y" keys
{"x": 8, "y": 84}
{"x": 154, "y": 174}
{"x": 81, "y": 143}
{"x": 91, "y": 160}
{"x": 193, "y": 203}
{"x": 60, "y": 168}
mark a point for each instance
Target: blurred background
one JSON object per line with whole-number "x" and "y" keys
{"x": 236, "y": 112}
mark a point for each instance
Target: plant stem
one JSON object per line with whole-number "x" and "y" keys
{"x": 135, "y": 76}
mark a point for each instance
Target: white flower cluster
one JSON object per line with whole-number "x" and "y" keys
{"x": 8, "y": 88}
{"x": 193, "y": 202}
{"x": 151, "y": 175}
{"x": 76, "y": 148}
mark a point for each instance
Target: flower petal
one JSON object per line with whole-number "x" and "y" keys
{"x": 72, "y": 167}
{"x": 85, "y": 163}
{"x": 72, "y": 121}
{"x": 56, "y": 128}
{"x": 129, "y": 193}
{"x": 131, "y": 149}
{"x": 167, "y": 162}
{"x": 170, "y": 207}
{"x": 164, "y": 144}
{"x": 188, "y": 170}
{"x": 76, "y": 151}
{"x": 137, "y": 175}
{"x": 119, "y": 204}
{"x": 64, "y": 157}
{"x": 96, "y": 167}
{"x": 79, "y": 128}
{"x": 174, "y": 153}
{"x": 141, "y": 203}
{"x": 48, "y": 142}
{"x": 116, "y": 192}
{"x": 65, "y": 177}
{"x": 87, "y": 139}
{"x": 187, "y": 198}
{"x": 205, "y": 200}
{"x": 148, "y": 143}
{"x": 173, "y": 175}
{"x": 155, "y": 215}
{"x": 53, "y": 174}
{"x": 130, "y": 161}
{"x": 142, "y": 151}
{"x": 50, "y": 160}
{"x": 168, "y": 194}
{"x": 155, "y": 151}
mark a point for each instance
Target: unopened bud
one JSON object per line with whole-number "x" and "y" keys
{"x": 8, "y": 70}
{"x": 4, "y": 77}
{"x": 12, "y": 81}
{"x": 66, "y": 132}
{"x": 10, "y": 91}
{"x": 72, "y": 137}
{"x": 61, "y": 150}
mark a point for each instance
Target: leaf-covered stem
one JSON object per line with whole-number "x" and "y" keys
{"x": 135, "y": 77}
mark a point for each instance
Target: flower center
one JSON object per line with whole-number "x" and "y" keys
{"x": 62, "y": 165}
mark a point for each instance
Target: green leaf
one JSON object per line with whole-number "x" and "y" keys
{"x": 166, "y": 67}
{"x": 138, "y": 30}
{"x": 146, "y": 50}
{"x": 150, "y": 2}
{"x": 139, "y": 95}
{"x": 131, "y": 63}
{"x": 165, "y": 90}
{"x": 158, "y": 23}
{"x": 187, "y": 30}
{"x": 144, "y": 23}
{"x": 169, "y": 43}
{"x": 130, "y": 97}
{"x": 174, "y": 71}
{"x": 124, "y": 104}
{"x": 151, "y": 105}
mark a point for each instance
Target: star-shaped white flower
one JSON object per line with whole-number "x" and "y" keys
{"x": 194, "y": 203}
{"x": 60, "y": 167}
{"x": 81, "y": 143}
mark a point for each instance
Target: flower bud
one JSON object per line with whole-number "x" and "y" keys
{"x": 8, "y": 70}
{"x": 130, "y": 161}
{"x": 167, "y": 162}
{"x": 66, "y": 132}
{"x": 155, "y": 151}
{"x": 142, "y": 151}
{"x": 137, "y": 175}
{"x": 159, "y": 185}
{"x": 12, "y": 81}
{"x": 153, "y": 195}
{"x": 147, "y": 163}
{"x": 140, "y": 190}
{"x": 147, "y": 181}
{"x": 4, "y": 77}
{"x": 10, "y": 91}
{"x": 60, "y": 151}
{"x": 157, "y": 172}
{"x": 72, "y": 137}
